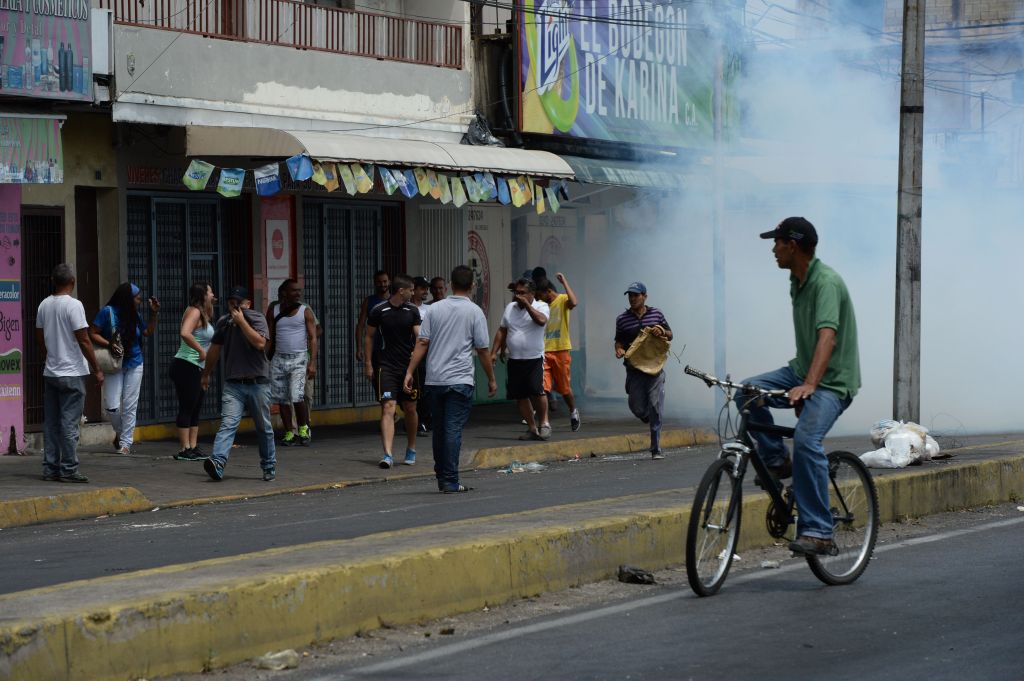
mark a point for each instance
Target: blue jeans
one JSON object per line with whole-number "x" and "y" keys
{"x": 236, "y": 399}
{"x": 63, "y": 402}
{"x": 810, "y": 465}
{"x": 449, "y": 411}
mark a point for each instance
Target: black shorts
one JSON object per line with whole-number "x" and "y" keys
{"x": 525, "y": 378}
{"x": 389, "y": 382}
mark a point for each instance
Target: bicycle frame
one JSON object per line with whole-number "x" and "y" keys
{"x": 746, "y": 452}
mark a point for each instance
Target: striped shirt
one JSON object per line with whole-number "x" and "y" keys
{"x": 628, "y": 325}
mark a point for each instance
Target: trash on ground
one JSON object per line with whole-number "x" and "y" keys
{"x": 900, "y": 444}
{"x": 771, "y": 564}
{"x": 449, "y": 631}
{"x": 284, "y": 659}
{"x": 635, "y": 575}
{"x": 1020, "y": 508}
{"x": 519, "y": 467}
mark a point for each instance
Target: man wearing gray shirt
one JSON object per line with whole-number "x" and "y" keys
{"x": 455, "y": 327}
{"x": 242, "y": 333}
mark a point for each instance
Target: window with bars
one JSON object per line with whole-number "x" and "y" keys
{"x": 343, "y": 245}
{"x": 173, "y": 242}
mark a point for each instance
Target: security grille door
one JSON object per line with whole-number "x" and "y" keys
{"x": 42, "y": 239}
{"x": 173, "y": 242}
{"x": 341, "y": 251}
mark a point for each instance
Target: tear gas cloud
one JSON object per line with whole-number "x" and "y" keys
{"x": 820, "y": 140}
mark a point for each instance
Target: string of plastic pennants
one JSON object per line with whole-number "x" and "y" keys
{"x": 359, "y": 179}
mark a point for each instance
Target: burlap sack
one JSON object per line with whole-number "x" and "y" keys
{"x": 648, "y": 353}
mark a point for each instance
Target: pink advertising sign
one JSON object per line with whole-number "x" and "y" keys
{"x": 30, "y": 150}
{"x": 12, "y": 410}
{"x": 46, "y": 49}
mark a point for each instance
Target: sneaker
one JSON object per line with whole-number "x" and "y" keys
{"x": 305, "y": 435}
{"x": 454, "y": 489}
{"x": 213, "y": 469}
{"x": 574, "y": 420}
{"x": 191, "y": 454}
{"x": 657, "y": 455}
{"x": 288, "y": 440}
{"x": 813, "y": 546}
{"x": 530, "y": 435}
{"x": 125, "y": 451}
{"x": 545, "y": 431}
{"x": 269, "y": 474}
{"x": 424, "y": 428}
{"x": 73, "y": 477}
{"x": 386, "y": 461}
{"x": 410, "y": 457}
{"x": 51, "y": 477}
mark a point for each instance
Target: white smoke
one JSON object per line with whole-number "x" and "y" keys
{"x": 822, "y": 119}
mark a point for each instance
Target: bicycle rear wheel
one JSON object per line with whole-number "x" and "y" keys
{"x": 854, "y": 505}
{"x": 714, "y": 528}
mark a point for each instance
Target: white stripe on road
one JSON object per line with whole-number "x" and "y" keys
{"x": 579, "y": 618}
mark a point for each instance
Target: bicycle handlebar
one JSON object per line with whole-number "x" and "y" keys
{"x": 732, "y": 385}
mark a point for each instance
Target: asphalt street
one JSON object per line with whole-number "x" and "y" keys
{"x": 44, "y": 555}
{"x": 940, "y": 606}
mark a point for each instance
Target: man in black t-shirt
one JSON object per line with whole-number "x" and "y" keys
{"x": 391, "y": 331}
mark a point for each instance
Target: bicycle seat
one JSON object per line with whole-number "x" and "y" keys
{"x": 771, "y": 428}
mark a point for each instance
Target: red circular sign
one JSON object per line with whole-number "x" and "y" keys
{"x": 277, "y": 240}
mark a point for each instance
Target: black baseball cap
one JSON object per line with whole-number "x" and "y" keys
{"x": 238, "y": 293}
{"x": 420, "y": 282}
{"x": 794, "y": 229}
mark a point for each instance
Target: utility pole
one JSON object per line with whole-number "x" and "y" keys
{"x": 906, "y": 398}
{"x": 717, "y": 218}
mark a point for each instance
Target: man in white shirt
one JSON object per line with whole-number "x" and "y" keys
{"x": 453, "y": 329}
{"x": 522, "y": 334}
{"x": 63, "y": 336}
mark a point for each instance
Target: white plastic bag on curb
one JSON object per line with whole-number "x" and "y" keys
{"x": 904, "y": 443}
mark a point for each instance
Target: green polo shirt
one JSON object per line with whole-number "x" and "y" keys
{"x": 824, "y": 303}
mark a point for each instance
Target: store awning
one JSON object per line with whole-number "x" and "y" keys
{"x": 349, "y": 148}
{"x": 625, "y": 173}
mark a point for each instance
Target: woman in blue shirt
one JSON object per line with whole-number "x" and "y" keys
{"x": 121, "y": 390}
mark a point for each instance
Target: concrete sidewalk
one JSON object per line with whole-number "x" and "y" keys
{"x": 213, "y": 613}
{"x": 339, "y": 456}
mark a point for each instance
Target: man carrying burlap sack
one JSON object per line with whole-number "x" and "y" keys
{"x": 642, "y": 337}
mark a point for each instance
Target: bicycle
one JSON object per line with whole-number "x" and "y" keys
{"x": 714, "y": 526}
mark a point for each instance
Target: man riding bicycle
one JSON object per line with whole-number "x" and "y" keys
{"x": 822, "y": 380}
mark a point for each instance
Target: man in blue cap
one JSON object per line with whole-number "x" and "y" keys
{"x": 646, "y": 392}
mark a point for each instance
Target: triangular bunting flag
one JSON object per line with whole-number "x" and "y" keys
{"x": 552, "y": 198}
{"x": 503, "y": 194}
{"x": 421, "y": 181}
{"x": 345, "y": 173}
{"x": 268, "y": 179}
{"x": 435, "y": 186}
{"x": 409, "y": 186}
{"x": 197, "y": 175}
{"x": 318, "y": 174}
{"x": 330, "y": 176}
{"x": 458, "y": 194}
{"x": 362, "y": 180}
{"x": 446, "y": 190}
{"x": 300, "y": 167}
{"x": 231, "y": 180}
{"x": 516, "y": 191}
{"x": 540, "y": 200}
{"x": 389, "y": 181}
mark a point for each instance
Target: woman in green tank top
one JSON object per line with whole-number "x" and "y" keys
{"x": 196, "y": 332}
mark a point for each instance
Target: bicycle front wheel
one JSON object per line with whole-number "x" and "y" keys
{"x": 854, "y": 505}
{"x": 714, "y": 528}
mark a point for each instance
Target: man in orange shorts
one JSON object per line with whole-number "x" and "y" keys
{"x": 557, "y": 344}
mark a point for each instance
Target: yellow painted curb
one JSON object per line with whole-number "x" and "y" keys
{"x": 321, "y": 417}
{"x": 85, "y": 504}
{"x": 495, "y": 457}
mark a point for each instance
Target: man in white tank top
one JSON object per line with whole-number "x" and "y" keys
{"x": 293, "y": 348}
